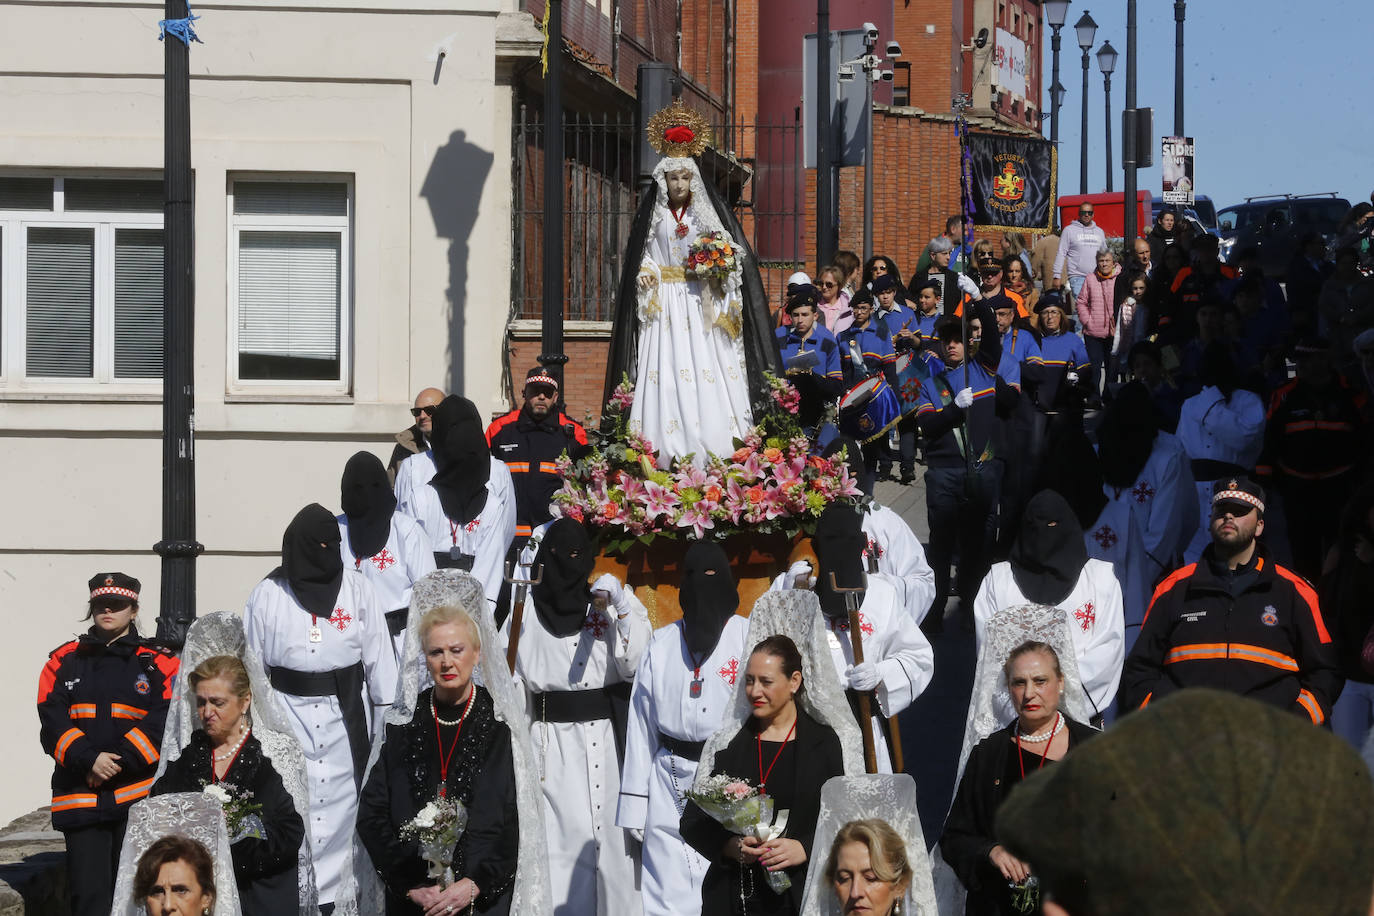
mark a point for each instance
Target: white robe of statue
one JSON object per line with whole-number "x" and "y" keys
{"x": 691, "y": 389}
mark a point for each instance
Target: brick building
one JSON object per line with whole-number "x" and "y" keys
{"x": 740, "y": 64}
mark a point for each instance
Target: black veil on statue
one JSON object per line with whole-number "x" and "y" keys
{"x": 760, "y": 350}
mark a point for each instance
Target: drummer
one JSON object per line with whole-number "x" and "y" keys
{"x": 928, "y": 294}
{"x": 900, "y": 320}
{"x": 866, "y": 345}
{"x": 811, "y": 358}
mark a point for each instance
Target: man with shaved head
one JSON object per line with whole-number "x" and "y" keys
{"x": 415, "y": 440}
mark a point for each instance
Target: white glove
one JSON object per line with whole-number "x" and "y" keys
{"x": 964, "y": 399}
{"x": 609, "y": 588}
{"x": 798, "y": 575}
{"x": 862, "y": 677}
{"x": 1072, "y": 377}
{"x": 637, "y": 833}
{"x": 967, "y": 286}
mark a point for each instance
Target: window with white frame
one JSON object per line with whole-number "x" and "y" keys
{"x": 80, "y": 280}
{"x": 290, "y": 282}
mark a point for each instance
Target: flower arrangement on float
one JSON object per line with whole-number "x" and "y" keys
{"x": 771, "y": 483}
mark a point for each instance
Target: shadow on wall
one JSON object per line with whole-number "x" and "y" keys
{"x": 453, "y": 190}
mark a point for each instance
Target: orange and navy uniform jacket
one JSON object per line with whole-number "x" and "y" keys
{"x": 1261, "y": 636}
{"x": 1311, "y": 434}
{"x": 529, "y": 448}
{"x": 94, "y": 697}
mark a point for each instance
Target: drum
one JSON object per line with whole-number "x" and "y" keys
{"x": 869, "y": 409}
{"x": 911, "y": 372}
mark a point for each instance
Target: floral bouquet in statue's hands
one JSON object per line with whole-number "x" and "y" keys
{"x": 712, "y": 256}
{"x": 437, "y": 827}
{"x": 744, "y": 811}
{"x": 241, "y": 813}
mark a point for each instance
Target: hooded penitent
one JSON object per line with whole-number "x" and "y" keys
{"x": 708, "y": 596}
{"x": 462, "y": 458}
{"x": 1049, "y": 554}
{"x": 310, "y": 559}
{"x": 839, "y": 542}
{"x": 564, "y": 560}
{"x": 366, "y": 497}
{"x": 1127, "y": 436}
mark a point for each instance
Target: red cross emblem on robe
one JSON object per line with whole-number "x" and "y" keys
{"x": 595, "y": 623}
{"x": 340, "y": 619}
{"x": 729, "y": 671}
{"x": 1106, "y": 537}
{"x": 1086, "y": 616}
{"x": 383, "y": 560}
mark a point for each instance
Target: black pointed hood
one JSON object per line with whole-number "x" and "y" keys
{"x": 461, "y": 457}
{"x": 1049, "y": 553}
{"x": 709, "y": 597}
{"x": 310, "y": 560}
{"x": 1127, "y": 435}
{"x": 839, "y": 542}
{"x": 565, "y": 560}
{"x": 367, "y": 500}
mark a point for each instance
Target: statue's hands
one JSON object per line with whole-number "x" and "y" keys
{"x": 646, "y": 281}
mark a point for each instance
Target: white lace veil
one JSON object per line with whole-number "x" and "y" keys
{"x": 890, "y": 797}
{"x": 193, "y": 815}
{"x": 221, "y": 633}
{"x": 531, "y": 895}
{"x": 795, "y": 614}
{"x": 988, "y": 706}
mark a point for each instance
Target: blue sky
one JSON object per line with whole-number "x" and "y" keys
{"x": 1276, "y": 95}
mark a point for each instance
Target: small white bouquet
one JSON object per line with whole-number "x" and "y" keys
{"x": 241, "y": 813}
{"x": 437, "y": 827}
{"x": 742, "y": 810}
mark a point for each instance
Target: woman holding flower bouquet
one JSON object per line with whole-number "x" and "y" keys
{"x": 445, "y": 781}
{"x": 224, "y": 759}
{"x": 784, "y": 754}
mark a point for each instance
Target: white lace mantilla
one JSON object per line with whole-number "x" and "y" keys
{"x": 221, "y": 633}
{"x": 796, "y": 615}
{"x": 193, "y": 815}
{"x": 890, "y": 797}
{"x": 531, "y": 895}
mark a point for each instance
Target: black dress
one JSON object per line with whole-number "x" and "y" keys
{"x": 265, "y": 870}
{"x": 993, "y": 770}
{"x": 805, "y": 763}
{"x": 481, "y": 775}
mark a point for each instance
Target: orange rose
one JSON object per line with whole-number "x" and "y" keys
{"x": 755, "y": 493}
{"x": 772, "y": 455}
{"x": 741, "y": 454}
{"x": 610, "y": 511}
{"x": 728, "y": 250}
{"x": 714, "y": 494}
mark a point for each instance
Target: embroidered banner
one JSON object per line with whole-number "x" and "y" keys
{"x": 1013, "y": 182}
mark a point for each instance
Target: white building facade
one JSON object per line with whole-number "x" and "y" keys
{"x": 352, "y": 227}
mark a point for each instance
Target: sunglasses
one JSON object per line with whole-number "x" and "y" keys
{"x": 829, "y": 285}
{"x": 1235, "y": 510}
{"x": 427, "y": 411}
{"x": 112, "y": 604}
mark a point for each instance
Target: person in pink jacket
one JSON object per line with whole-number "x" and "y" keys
{"x": 1096, "y": 311}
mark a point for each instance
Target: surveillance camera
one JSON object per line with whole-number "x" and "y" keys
{"x": 894, "y": 50}
{"x": 887, "y": 76}
{"x": 981, "y": 41}
{"x": 846, "y": 73}
{"x": 870, "y": 31}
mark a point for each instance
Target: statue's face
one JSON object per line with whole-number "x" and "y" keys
{"x": 679, "y": 183}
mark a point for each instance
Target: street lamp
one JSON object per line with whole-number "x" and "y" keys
{"x": 871, "y": 64}
{"x": 1087, "y": 31}
{"x": 1180, "y": 10}
{"x": 1056, "y": 11}
{"x": 1106, "y": 62}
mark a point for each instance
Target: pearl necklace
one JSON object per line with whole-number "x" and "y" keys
{"x": 451, "y": 722}
{"x": 227, "y": 755}
{"x": 1036, "y": 739}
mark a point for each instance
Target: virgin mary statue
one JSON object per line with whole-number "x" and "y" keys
{"x": 694, "y": 349}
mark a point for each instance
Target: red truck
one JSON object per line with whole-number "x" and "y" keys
{"x": 1109, "y": 211}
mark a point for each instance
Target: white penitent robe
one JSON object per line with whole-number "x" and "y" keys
{"x": 413, "y": 473}
{"x": 1096, "y": 625}
{"x": 591, "y": 869}
{"x": 691, "y": 390}
{"x": 892, "y": 641}
{"x": 486, "y": 538}
{"x": 901, "y": 557}
{"x": 394, "y": 569}
{"x": 1143, "y": 529}
{"x": 654, "y": 780}
{"x": 1212, "y": 428}
{"x": 279, "y": 629}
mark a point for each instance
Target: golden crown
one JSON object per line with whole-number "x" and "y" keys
{"x": 677, "y": 131}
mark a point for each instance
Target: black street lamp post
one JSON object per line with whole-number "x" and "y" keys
{"x": 551, "y": 328}
{"x": 1106, "y": 62}
{"x": 1180, "y": 10}
{"x": 1056, "y": 11}
{"x": 1086, "y": 29}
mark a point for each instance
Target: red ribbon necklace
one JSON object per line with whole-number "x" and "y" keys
{"x": 446, "y": 758}
{"x": 1021, "y": 760}
{"x": 763, "y": 775}
{"x": 677, "y": 218}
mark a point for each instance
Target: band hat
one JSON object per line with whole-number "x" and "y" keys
{"x": 1051, "y": 299}
{"x": 1239, "y": 490}
{"x": 540, "y": 377}
{"x": 882, "y": 284}
{"x": 114, "y": 583}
